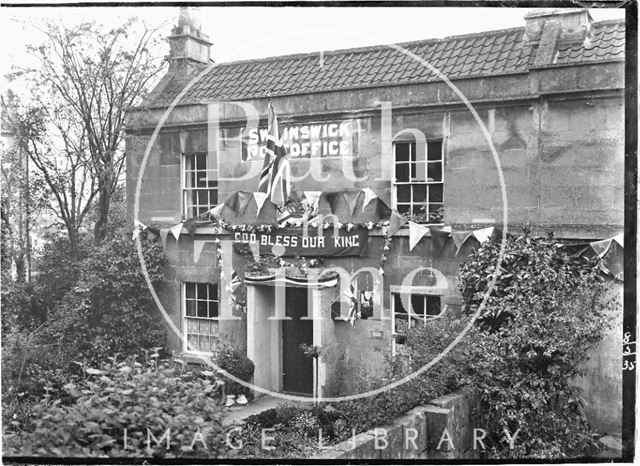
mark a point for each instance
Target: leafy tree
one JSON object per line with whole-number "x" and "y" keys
{"x": 72, "y": 122}
{"x": 546, "y": 311}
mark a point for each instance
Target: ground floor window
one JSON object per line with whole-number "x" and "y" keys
{"x": 409, "y": 309}
{"x": 200, "y": 311}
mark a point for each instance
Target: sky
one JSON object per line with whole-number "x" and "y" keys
{"x": 240, "y": 33}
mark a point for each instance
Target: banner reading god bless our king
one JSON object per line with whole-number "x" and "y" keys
{"x": 345, "y": 243}
{"x": 325, "y": 139}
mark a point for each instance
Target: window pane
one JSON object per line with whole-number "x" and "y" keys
{"x": 213, "y": 309}
{"x": 202, "y": 179}
{"x": 435, "y": 193}
{"x": 213, "y": 292}
{"x": 420, "y": 193}
{"x": 434, "y": 150}
{"x": 418, "y": 209}
{"x": 191, "y": 308}
{"x": 433, "y": 305}
{"x": 419, "y": 171}
{"x": 403, "y": 208}
{"x": 203, "y": 197}
{"x": 190, "y": 289}
{"x": 404, "y": 193}
{"x": 188, "y": 163}
{"x": 201, "y": 160}
{"x": 190, "y": 179}
{"x": 417, "y": 303}
{"x": 435, "y": 208}
{"x": 398, "y": 307}
{"x": 402, "y": 152}
{"x": 402, "y": 172}
{"x": 435, "y": 171}
{"x": 202, "y": 309}
{"x": 202, "y": 290}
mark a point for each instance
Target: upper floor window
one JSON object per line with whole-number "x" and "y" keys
{"x": 200, "y": 310}
{"x": 418, "y": 182}
{"x": 199, "y": 184}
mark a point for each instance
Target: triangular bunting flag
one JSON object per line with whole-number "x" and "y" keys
{"x": 369, "y": 196}
{"x": 459, "y": 238}
{"x": 312, "y": 199}
{"x": 164, "y": 232}
{"x": 416, "y": 233}
{"x": 352, "y": 200}
{"x": 332, "y": 199}
{"x": 216, "y": 211}
{"x": 395, "y": 223}
{"x": 483, "y": 235}
{"x": 259, "y": 198}
{"x": 439, "y": 238}
{"x": 243, "y": 202}
{"x": 601, "y": 247}
{"x": 137, "y": 228}
{"x": 232, "y": 202}
{"x": 198, "y": 245}
{"x": 176, "y": 230}
{"x": 619, "y": 239}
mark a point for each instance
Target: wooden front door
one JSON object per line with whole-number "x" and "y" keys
{"x": 296, "y": 367}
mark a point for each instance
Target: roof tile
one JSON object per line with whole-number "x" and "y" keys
{"x": 482, "y": 54}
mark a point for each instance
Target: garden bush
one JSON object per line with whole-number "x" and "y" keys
{"x": 546, "y": 312}
{"x": 132, "y": 397}
{"x": 106, "y": 310}
{"x": 231, "y": 359}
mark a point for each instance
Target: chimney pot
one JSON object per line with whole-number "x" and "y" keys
{"x": 189, "y": 46}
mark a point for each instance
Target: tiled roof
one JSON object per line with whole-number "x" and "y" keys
{"x": 606, "y": 42}
{"x": 474, "y": 55}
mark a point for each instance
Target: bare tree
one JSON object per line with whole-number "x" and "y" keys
{"x": 74, "y": 129}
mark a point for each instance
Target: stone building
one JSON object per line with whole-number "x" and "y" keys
{"x": 549, "y": 96}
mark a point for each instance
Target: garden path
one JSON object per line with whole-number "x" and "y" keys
{"x": 238, "y": 413}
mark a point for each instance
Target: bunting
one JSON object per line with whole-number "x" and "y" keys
{"x": 439, "y": 238}
{"x": 243, "y": 201}
{"x": 352, "y": 200}
{"x": 176, "y": 230}
{"x": 138, "y": 227}
{"x": 164, "y": 232}
{"x": 416, "y": 233}
{"x": 395, "y": 223}
{"x": 259, "y": 198}
{"x": 369, "y": 196}
{"x": 313, "y": 197}
{"x": 483, "y": 234}
{"x": 217, "y": 211}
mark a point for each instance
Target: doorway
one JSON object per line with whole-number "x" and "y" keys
{"x": 297, "y": 369}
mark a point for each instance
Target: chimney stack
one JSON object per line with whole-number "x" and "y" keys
{"x": 573, "y": 24}
{"x": 189, "y": 46}
{"x": 545, "y": 30}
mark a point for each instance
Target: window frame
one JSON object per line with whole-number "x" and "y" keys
{"x": 185, "y": 191}
{"x": 185, "y": 318}
{"x": 425, "y": 292}
{"x": 411, "y": 183}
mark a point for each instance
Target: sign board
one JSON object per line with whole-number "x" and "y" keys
{"x": 337, "y": 138}
{"x": 293, "y": 243}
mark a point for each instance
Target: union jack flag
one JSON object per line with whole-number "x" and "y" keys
{"x": 275, "y": 178}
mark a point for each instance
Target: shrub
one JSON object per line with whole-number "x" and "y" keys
{"x": 234, "y": 361}
{"x": 98, "y": 407}
{"x": 109, "y": 310}
{"x": 545, "y": 313}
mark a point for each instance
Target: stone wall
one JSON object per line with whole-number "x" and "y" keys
{"x": 443, "y": 429}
